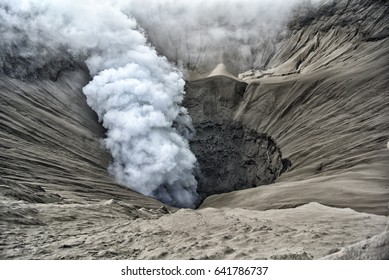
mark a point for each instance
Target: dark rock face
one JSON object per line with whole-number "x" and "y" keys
{"x": 18, "y": 61}
{"x": 214, "y": 99}
{"x": 231, "y": 156}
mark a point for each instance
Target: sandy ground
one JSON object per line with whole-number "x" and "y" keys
{"x": 116, "y": 230}
{"x": 323, "y": 98}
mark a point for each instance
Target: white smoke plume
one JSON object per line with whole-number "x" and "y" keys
{"x": 138, "y": 104}
{"x": 135, "y": 91}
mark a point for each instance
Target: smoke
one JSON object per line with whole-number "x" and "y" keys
{"x": 200, "y": 34}
{"x": 135, "y": 91}
{"x": 138, "y": 104}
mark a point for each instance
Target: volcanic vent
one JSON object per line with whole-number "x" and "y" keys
{"x": 230, "y": 155}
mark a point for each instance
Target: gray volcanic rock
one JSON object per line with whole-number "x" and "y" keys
{"x": 323, "y": 98}
{"x": 230, "y": 156}
{"x": 233, "y": 158}
{"x": 25, "y": 60}
{"x": 214, "y": 99}
{"x": 328, "y": 34}
{"x": 375, "y": 248}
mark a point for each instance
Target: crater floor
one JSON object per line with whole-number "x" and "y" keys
{"x": 323, "y": 99}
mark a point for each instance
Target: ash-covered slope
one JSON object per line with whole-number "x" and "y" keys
{"x": 53, "y": 167}
{"x": 50, "y": 138}
{"x": 324, "y": 99}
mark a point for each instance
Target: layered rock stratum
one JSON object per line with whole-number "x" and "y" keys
{"x": 320, "y": 100}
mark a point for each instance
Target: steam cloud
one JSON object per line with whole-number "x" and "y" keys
{"x": 201, "y": 34}
{"x": 136, "y": 92}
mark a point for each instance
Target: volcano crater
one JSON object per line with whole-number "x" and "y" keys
{"x": 231, "y": 156}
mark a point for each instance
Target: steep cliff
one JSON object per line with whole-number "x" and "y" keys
{"x": 324, "y": 99}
